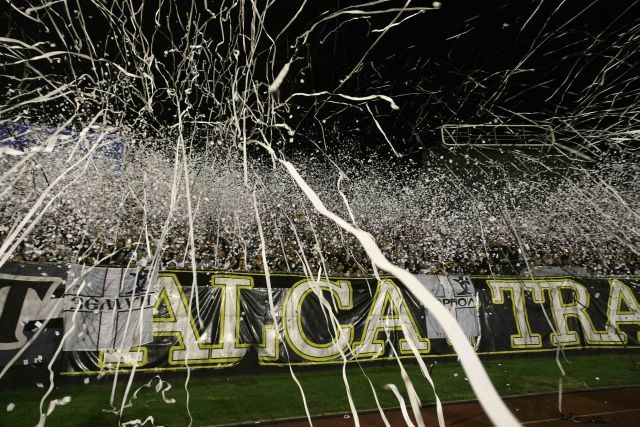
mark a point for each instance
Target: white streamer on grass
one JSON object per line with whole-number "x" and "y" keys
{"x": 403, "y": 406}
{"x": 414, "y": 399}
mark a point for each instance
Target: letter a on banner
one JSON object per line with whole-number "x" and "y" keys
{"x": 623, "y": 308}
{"x": 389, "y": 311}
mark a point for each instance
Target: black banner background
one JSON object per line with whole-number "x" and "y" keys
{"x": 27, "y": 287}
{"x": 231, "y": 321}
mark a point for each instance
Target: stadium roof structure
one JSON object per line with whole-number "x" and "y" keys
{"x": 497, "y": 135}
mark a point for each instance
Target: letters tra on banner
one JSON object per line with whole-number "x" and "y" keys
{"x": 107, "y": 308}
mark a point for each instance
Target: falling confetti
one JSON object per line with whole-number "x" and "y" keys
{"x": 239, "y": 137}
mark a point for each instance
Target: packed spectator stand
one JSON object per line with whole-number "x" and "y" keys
{"x": 423, "y": 219}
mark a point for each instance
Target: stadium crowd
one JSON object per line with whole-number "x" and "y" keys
{"x": 220, "y": 253}
{"x": 480, "y": 219}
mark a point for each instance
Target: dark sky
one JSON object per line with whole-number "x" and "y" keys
{"x": 481, "y": 61}
{"x": 571, "y": 64}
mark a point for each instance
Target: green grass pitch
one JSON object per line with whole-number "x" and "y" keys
{"x": 217, "y": 398}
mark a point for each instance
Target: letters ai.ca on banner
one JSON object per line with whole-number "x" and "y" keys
{"x": 107, "y": 308}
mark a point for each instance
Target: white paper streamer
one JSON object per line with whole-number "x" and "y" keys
{"x": 485, "y": 391}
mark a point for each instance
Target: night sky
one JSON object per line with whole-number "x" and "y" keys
{"x": 490, "y": 62}
{"x": 571, "y": 65}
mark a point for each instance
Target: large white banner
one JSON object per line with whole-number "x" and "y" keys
{"x": 107, "y": 308}
{"x": 456, "y": 294}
